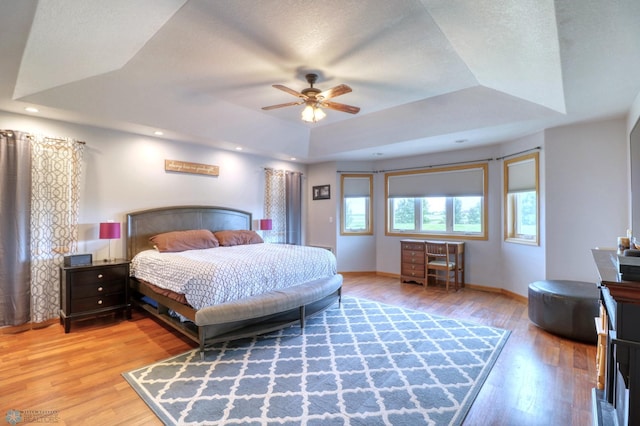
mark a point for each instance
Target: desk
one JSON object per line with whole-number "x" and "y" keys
{"x": 412, "y": 260}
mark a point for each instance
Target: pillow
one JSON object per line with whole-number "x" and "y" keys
{"x": 237, "y": 238}
{"x": 184, "y": 240}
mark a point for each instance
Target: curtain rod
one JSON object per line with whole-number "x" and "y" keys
{"x": 10, "y": 133}
{"x": 278, "y": 170}
{"x": 537, "y": 148}
{"x": 422, "y": 167}
{"x": 64, "y": 140}
{"x": 5, "y": 133}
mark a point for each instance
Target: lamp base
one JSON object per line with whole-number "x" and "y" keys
{"x": 109, "y": 259}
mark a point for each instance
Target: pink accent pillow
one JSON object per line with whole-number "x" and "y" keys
{"x": 184, "y": 240}
{"x": 237, "y": 238}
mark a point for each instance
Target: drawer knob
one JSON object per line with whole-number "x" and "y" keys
{"x": 100, "y": 289}
{"x": 99, "y": 275}
{"x": 99, "y": 302}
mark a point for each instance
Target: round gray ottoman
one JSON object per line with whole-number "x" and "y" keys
{"x": 565, "y": 308}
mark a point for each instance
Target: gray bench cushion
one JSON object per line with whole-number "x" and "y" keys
{"x": 269, "y": 303}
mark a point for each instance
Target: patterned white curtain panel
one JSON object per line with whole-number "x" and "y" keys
{"x": 55, "y": 200}
{"x": 275, "y": 206}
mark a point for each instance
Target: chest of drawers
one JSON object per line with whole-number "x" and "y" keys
{"x": 412, "y": 258}
{"x": 95, "y": 289}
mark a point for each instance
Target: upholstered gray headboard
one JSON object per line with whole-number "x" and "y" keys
{"x": 143, "y": 224}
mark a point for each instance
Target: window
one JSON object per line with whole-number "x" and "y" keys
{"x": 357, "y": 204}
{"x": 448, "y": 201}
{"x": 521, "y": 209}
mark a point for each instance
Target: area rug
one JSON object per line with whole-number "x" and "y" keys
{"x": 363, "y": 363}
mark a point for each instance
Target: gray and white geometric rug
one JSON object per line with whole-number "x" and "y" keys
{"x": 365, "y": 363}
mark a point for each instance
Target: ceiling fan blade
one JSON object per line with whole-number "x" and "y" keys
{"x": 340, "y": 107}
{"x": 333, "y": 92}
{"x": 289, "y": 91}
{"x": 282, "y": 105}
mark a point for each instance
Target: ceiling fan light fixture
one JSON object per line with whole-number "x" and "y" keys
{"x": 312, "y": 114}
{"x": 313, "y": 99}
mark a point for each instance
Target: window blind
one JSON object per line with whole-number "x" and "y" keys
{"x": 521, "y": 176}
{"x": 434, "y": 183}
{"x": 356, "y": 187}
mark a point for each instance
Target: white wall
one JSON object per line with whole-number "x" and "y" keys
{"x": 124, "y": 172}
{"x": 634, "y": 114}
{"x": 522, "y": 264}
{"x": 586, "y": 195}
{"x": 322, "y": 222}
{"x": 482, "y": 258}
{"x": 357, "y": 252}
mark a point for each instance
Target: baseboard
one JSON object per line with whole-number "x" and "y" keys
{"x": 488, "y": 289}
{"x": 502, "y": 291}
{"x": 347, "y": 273}
{"x": 14, "y": 329}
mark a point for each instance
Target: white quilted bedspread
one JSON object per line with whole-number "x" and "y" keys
{"x": 211, "y": 276}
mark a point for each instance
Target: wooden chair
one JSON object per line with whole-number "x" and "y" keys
{"x": 438, "y": 259}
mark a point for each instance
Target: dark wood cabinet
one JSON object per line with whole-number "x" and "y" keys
{"x": 95, "y": 289}
{"x": 619, "y": 402}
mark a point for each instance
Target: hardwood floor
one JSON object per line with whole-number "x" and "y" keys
{"x": 539, "y": 379}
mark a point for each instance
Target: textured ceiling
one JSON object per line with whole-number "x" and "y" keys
{"x": 425, "y": 73}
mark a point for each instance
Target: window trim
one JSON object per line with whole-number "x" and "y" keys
{"x": 483, "y": 235}
{"x": 509, "y": 224}
{"x": 369, "y": 218}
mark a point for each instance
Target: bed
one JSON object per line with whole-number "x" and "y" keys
{"x": 248, "y": 316}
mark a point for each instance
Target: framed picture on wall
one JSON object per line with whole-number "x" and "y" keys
{"x": 322, "y": 192}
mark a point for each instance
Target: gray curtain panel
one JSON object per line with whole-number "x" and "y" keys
{"x": 15, "y": 213}
{"x": 283, "y": 205}
{"x": 293, "y": 202}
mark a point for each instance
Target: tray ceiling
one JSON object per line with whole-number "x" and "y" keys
{"x": 425, "y": 73}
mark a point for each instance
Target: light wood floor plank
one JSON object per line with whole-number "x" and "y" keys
{"x": 539, "y": 379}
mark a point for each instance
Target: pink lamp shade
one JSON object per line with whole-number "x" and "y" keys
{"x": 109, "y": 230}
{"x": 266, "y": 224}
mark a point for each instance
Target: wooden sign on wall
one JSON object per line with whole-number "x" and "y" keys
{"x": 194, "y": 168}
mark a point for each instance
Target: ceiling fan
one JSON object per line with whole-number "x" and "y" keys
{"x": 314, "y": 99}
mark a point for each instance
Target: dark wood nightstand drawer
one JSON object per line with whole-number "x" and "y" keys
{"x": 98, "y": 302}
{"x": 97, "y": 289}
{"x": 99, "y": 275}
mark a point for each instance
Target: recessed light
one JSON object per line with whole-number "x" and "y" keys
{"x": 31, "y": 109}
{"x": 238, "y": 148}
{"x": 293, "y": 158}
{"x": 158, "y": 133}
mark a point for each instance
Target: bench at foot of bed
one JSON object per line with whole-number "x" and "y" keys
{"x": 251, "y": 316}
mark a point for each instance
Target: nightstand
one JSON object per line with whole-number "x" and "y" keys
{"x": 95, "y": 289}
